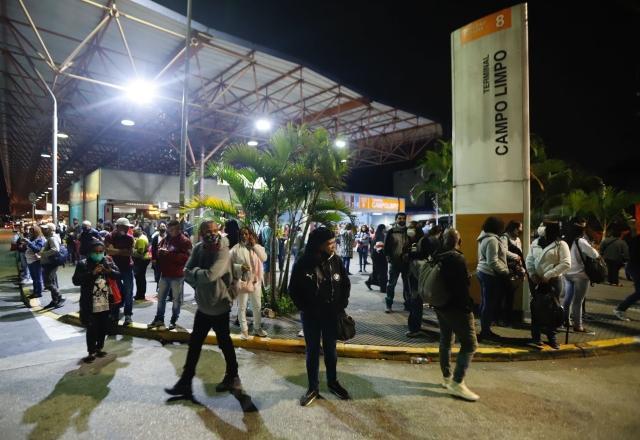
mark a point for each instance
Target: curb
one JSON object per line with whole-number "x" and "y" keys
{"x": 483, "y": 354}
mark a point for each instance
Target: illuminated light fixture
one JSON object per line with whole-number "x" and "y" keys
{"x": 141, "y": 92}
{"x": 127, "y": 122}
{"x": 62, "y": 135}
{"x": 50, "y": 189}
{"x": 340, "y": 143}
{"x": 252, "y": 143}
{"x": 263, "y": 124}
{"x": 69, "y": 171}
{"x": 344, "y": 161}
{"x": 45, "y": 155}
{"x": 46, "y": 192}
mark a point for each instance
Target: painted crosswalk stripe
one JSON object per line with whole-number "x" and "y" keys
{"x": 55, "y": 330}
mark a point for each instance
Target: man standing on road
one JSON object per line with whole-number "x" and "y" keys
{"x": 156, "y": 238}
{"x": 49, "y": 252}
{"x": 119, "y": 245}
{"x": 173, "y": 253}
{"x": 208, "y": 271}
{"x": 86, "y": 238}
{"x": 397, "y": 253}
{"x": 455, "y": 317}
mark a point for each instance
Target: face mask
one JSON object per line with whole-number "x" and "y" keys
{"x": 541, "y": 230}
{"x": 402, "y": 224}
{"x": 96, "y": 256}
{"x": 209, "y": 237}
{"x": 162, "y": 231}
{"x": 411, "y": 232}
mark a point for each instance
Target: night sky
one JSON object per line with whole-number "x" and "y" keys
{"x": 584, "y": 65}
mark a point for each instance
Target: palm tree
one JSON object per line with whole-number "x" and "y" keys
{"x": 607, "y": 205}
{"x": 436, "y": 170}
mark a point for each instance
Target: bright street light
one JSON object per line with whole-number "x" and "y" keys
{"x": 252, "y": 143}
{"x": 69, "y": 171}
{"x": 63, "y": 135}
{"x": 340, "y": 143}
{"x": 50, "y": 189}
{"x": 127, "y": 122}
{"x": 45, "y": 155}
{"x": 263, "y": 124}
{"x": 141, "y": 92}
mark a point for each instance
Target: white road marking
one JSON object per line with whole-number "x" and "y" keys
{"x": 57, "y": 331}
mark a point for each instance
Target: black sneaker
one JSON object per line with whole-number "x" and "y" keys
{"x": 229, "y": 384}
{"x": 181, "y": 388}
{"x": 308, "y": 397}
{"x": 90, "y": 358}
{"x": 554, "y": 344}
{"x": 101, "y": 353}
{"x": 59, "y": 303}
{"x": 339, "y": 391}
{"x": 172, "y": 326}
{"x": 368, "y": 284}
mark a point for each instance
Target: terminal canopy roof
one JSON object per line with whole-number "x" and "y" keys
{"x": 91, "y": 52}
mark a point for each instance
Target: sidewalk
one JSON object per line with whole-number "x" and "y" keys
{"x": 376, "y": 328}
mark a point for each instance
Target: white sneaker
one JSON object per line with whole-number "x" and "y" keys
{"x": 301, "y": 334}
{"x": 461, "y": 390}
{"x": 446, "y": 381}
{"x": 620, "y": 315}
{"x": 260, "y": 333}
{"x": 244, "y": 336}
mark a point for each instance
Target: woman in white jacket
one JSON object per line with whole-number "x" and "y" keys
{"x": 548, "y": 259}
{"x": 247, "y": 258}
{"x": 576, "y": 280}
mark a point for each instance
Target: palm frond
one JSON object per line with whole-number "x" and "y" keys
{"x": 210, "y": 203}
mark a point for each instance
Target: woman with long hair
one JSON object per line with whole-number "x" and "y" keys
{"x": 247, "y": 258}
{"x": 363, "y": 239}
{"x": 576, "y": 281}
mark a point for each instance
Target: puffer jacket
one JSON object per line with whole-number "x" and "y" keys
{"x": 492, "y": 255}
{"x": 551, "y": 262}
{"x": 209, "y": 273}
{"x": 253, "y": 257}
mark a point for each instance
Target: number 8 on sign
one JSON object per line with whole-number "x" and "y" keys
{"x": 500, "y": 21}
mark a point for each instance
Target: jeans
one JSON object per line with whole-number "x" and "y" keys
{"x": 362, "y": 255}
{"x": 492, "y": 288}
{"x": 256, "y": 306}
{"x": 202, "y": 323}
{"x": 415, "y": 314}
{"x": 35, "y": 270}
{"x": 24, "y": 268}
{"x": 576, "y": 288}
{"x": 537, "y": 330}
{"x": 634, "y": 271}
{"x": 316, "y": 328}
{"x": 460, "y": 324}
{"x": 125, "y": 283}
{"x": 176, "y": 285}
{"x": 140, "y": 273}
{"x": 613, "y": 269}
{"x": 50, "y": 276}
{"x": 394, "y": 273}
{"x": 346, "y": 262}
{"x": 97, "y": 331}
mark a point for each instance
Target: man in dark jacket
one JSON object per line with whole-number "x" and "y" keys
{"x": 397, "y": 250}
{"x": 173, "y": 253}
{"x": 320, "y": 288}
{"x": 633, "y": 267}
{"x": 92, "y": 274}
{"x": 455, "y": 316}
{"x": 86, "y": 238}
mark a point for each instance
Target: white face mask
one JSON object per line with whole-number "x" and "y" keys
{"x": 541, "y": 230}
{"x": 411, "y": 232}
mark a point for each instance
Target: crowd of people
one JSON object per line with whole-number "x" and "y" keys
{"x": 229, "y": 265}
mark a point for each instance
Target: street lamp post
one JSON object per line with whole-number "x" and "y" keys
{"x": 185, "y": 109}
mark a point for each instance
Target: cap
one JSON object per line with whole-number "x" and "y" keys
{"x": 123, "y": 221}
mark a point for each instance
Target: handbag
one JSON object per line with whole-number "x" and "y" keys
{"x": 595, "y": 268}
{"x": 346, "y": 327}
{"x": 545, "y": 306}
{"x": 115, "y": 297}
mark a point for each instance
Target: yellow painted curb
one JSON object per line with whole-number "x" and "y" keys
{"x": 483, "y": 354}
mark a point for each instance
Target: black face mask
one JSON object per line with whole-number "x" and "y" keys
{"x": 210, "y": 238}
{"x": 402, "y": 224}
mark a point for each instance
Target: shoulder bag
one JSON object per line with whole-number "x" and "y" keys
{"x": 346, "y": 327}
{"x": 595, "y": 268}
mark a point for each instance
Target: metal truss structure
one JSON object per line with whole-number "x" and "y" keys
{"x": 90, "y": 51}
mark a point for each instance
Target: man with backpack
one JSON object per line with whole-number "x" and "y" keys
{"x": 51, "y": 255}
{"x": 454, "y": 308}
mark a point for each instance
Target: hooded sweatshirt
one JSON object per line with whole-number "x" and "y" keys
{"x": 208, "y": 271}
{"x": 492, "y": 255}
{"x": 253, "y": 257}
